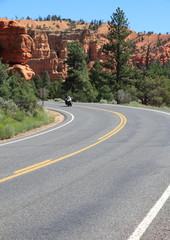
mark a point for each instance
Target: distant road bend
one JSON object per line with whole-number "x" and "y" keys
{"x": 103, "y": 173}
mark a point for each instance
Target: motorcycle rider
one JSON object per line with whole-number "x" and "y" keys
{"x": 67, "y": 99}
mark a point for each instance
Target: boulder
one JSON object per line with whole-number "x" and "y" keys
{"x": 24, "y": 70}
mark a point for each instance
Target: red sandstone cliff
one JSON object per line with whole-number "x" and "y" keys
{"x": 50, "y": 49}
{"x": 43, "y": 58}
{"x": 16, "y": 46}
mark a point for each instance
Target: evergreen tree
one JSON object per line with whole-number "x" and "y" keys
{"x": 55, "y": 90}
{"x": 37, "y": 80}
{"x": 156, "y": 69}
{"x": 45, "y": 85}
{"x": 119, "y": 48}
{"x": 46, "y": 80}
{"x": 78, "y": 83}
{"x": 101, "y": 81}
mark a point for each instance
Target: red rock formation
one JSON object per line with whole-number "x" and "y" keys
{"x": 43, "y": 58}
{"x": 15, "y": 45}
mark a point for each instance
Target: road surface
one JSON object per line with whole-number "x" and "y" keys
{"x": 103, "y": 173}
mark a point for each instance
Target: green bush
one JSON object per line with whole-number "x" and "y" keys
{"x": 19, "y": 115}
{"x": 7, "y": 132}
{"x": 10, "y": 107}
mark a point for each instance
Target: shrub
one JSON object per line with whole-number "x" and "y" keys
{"x": 10, "y": 107}
{"x": 6, "y": 132}
{"x": 123, "y": 96}
{"x": 103, "y": 101}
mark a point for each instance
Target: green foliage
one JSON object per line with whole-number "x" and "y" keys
{"x": 46, "y": 80}
{"x": 19, "y": 115}
{"x": 43, "y": 82}
{"x": 154, "y": 91}
{"x": 37, "y": 80}
{"x": 75, "y": 56}
{"x": 101, "y": 81}
{"x": 95, "y": 24}
{"x": 7, "y": 132}
{"x": 156, "y": 69}
{"x": 78, "y": 83}
{"x": 16, "y": 89}
{"x": 56, "y": 89}
{"x": 22, "y": 93}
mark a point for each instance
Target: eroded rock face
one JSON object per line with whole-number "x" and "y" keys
{"x": 16, "y": 46}
{"x": 43, "y": 58}
{"x": 50, "y": 51}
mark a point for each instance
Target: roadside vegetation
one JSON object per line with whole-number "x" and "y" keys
{"x": 19, "y": 108}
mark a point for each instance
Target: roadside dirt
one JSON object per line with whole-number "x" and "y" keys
{"x": 58, "y": 119}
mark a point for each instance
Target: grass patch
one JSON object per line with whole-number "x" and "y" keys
{"x": 11, "y": 125}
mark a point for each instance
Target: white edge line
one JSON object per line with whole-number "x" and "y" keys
{"x": 144, "y": 224}
{"x": 142, "y": 227}
{"x": 41, "y": 133}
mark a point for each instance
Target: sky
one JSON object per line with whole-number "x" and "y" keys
{"x": 145, "y": 15}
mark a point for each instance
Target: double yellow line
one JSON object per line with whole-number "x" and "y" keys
{"x": 34, "y": 167}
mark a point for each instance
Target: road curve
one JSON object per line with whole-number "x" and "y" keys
{"x": 104, "y": 173}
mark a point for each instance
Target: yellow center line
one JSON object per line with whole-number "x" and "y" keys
{"x": 115, "y": 130}
{"x": 34, "y": 167}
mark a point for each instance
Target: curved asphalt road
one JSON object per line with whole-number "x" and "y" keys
{"x": 95, "y": 177}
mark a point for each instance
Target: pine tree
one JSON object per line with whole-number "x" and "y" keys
{"x": 119, "y": 48}
{"x": 101, "y": 81}
{"x": 78, "y": 83}
{"x": 37, "y": 80}
{"x": 46, "y": 80}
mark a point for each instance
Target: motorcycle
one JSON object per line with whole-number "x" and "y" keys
{"x": 68, "y": 102}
